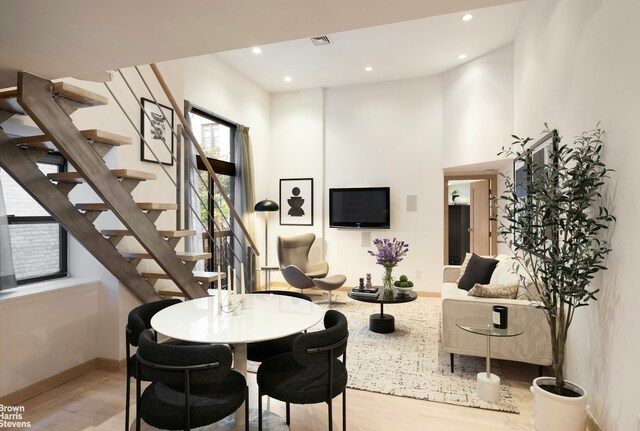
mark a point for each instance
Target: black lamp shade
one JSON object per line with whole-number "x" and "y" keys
{"x": 266, "y": 205}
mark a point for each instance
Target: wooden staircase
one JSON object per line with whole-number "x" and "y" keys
{"x": 50, "y": 106}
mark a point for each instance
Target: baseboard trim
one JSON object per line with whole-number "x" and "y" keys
{"x": 592, "y": 425}
{"x": 49, "y": 383}
{"x": 111, "y": 364}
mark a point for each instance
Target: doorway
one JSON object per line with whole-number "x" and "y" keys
{"x": 467, "y": 217}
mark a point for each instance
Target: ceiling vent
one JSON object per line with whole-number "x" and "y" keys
{"x": 320, "y": 40}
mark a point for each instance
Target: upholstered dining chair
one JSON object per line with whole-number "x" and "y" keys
{"x": 263, "y": 350}
{"x": 293, "y": 255}
{"x": 139, "y": 319}
{"x": 312, "y": 372}
{"x": 192, "y": 385}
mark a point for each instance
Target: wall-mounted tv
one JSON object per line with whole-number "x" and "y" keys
{"x": 360, "y": 208}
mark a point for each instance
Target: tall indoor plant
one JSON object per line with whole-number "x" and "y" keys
{"x": 553, "y": 220}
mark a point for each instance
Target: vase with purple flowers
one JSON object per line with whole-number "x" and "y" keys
{"x": 389, "y": 253}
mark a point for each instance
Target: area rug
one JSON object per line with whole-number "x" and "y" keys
{"x": 411, "y": 362}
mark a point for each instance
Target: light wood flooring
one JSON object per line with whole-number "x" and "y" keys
{"x": 95, "y": 401}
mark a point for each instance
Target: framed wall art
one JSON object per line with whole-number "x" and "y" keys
{"x": 156, "y": 126}
{"x": 296, "y": 201}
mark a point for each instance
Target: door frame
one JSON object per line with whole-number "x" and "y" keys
{"x": 493, "y": 211}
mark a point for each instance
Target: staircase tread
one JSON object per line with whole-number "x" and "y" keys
{"x": 44, "y": 142}
{"x": 187, "y": 256}
{"x": 85, "y": 97}
{"x": 201, "y": 276}
{"x": 141, "y": 205}
{"x": 164, "y": 233}
{"x": 9, "y": 102}
{"x": 119, "y": 173}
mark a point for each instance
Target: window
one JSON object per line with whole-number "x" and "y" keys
{"x": 38, "y": 242}
{"x": 217, "y": 140}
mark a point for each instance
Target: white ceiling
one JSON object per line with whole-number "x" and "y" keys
{"x": 420, "y": 47}
{"x": 62, "y": 38}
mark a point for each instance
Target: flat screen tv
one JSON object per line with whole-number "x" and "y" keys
{"x": 360, "y": 208}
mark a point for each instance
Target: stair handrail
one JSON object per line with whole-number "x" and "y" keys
{"x": 194, "y": 141}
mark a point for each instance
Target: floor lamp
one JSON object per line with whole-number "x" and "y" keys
{"x": 266, "y": 206}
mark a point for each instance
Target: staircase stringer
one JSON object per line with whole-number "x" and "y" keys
{"x": 35, "y": 96}
{"x": 26, "y": 173}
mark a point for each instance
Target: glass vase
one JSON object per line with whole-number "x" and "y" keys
{"x": 387, "y": 280}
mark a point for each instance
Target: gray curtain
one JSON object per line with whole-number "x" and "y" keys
{"x": 244, "y": 196}
{"x": 7, "y": 273}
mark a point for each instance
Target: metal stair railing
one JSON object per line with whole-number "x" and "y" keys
{"x": 232, "y": 257}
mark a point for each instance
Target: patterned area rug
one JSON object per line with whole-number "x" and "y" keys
{"x": 411, "y": 362}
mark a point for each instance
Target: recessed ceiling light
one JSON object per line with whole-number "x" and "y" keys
{"x": 368, "y": 68}
{"x": 467, "y": 17}
{"x": 256, "y": 50}
{"x": 287, "y": 79}
{"x": 462, "y": 56}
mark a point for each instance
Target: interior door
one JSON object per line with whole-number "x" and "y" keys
{"x": 479, "y": 224}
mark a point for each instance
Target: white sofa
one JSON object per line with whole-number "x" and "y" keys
{"x": 532, "y": 346}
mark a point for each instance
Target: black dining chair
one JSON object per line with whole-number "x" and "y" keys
{"x": 191, "y": 385}
{"x": 140, "y": 319}
{"x": 263, "y": 350}
{"x": 312, "y": 372}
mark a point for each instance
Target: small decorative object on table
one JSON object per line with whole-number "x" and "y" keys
{"x": 500, "y": 316}
{"x": 368, "y": 281}
{"x": 403, "y": 284}
{"x": 388, "y": 254}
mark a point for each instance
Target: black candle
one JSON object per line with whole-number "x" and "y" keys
{"x": 500, "y": 316}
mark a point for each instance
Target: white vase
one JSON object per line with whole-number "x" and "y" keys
{"x": 556, "y": 412}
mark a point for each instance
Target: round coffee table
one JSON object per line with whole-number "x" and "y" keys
{"x": 379, "y": 322}
{"x": 488, "y": 384}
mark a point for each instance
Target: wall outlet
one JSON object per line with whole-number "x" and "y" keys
{"x": 419, "y": 276}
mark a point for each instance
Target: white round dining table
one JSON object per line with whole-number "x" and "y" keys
{"x": 264, "y": 317}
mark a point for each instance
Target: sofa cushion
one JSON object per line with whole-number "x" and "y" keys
{"x": 465, "y": 262}
{"x": 504, "y": 273}
{"x": 478, "y": 270}
{"x": 508, "y": 291}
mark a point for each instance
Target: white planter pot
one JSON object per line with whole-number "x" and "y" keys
{"x": 557, "y": 413}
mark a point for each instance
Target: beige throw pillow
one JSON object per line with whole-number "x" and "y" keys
{"x": 507, "y": 291}
{"x": 463, "y": 267}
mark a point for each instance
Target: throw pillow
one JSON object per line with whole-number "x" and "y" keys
{"x": 507, "y": 291}
{"x": 504, "y": 273}
{"x": 463, "y": 267}
{"x": 479, "y": 270}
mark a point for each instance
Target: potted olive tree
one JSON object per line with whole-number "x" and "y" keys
{"x": 553, "y": 219}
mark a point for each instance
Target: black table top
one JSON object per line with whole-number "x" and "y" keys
{"x": 397, "y": 298}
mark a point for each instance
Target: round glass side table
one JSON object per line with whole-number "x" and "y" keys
{"x": 488, "y": 384}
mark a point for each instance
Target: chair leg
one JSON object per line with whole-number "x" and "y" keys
{"x": 246, "y": 408}
{"x": 127, "y": 406}
{"x": 451, "y": 361}
{"x": 540, "y": 370}
{"x": 138, "y": 403}
{"x": 330, "y": 404}
{"x": 344, "y": 410}
{"x": 329, "y": 299}
{"x": 288, "y": 410}
{"x": 259, "y": 409}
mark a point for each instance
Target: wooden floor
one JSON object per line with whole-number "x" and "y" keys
{"x": 95, "y": 401}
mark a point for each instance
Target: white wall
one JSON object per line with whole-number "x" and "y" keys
{"x": 47, "y": 333}
{"x": 478, "y": 108}
{"x": 576, "y": 63}
{"x": 386, "y": 134}
{"x": 297, "y": 151}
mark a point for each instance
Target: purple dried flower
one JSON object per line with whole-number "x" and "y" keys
{"x": 389, "y": 252}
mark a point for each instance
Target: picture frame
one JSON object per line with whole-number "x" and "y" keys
{"x": 154, "y": 129}
{"x": 296, "y": 202}
{"x": 539, "y": 154}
